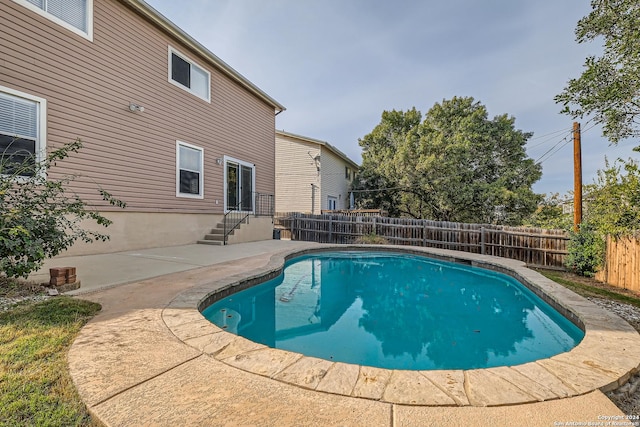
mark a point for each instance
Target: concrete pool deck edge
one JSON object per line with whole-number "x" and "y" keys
{"x": 131, "y": 370}
{"x": 605, "y": 359}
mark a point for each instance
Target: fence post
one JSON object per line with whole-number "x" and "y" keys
{"x": 424, "y": 233}
{"x": 330, "y": 228}
{"x": 293, "y": 226}
{"x": 375, "y": 226}
{"x": 482, "y": 241}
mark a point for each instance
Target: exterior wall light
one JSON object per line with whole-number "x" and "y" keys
{"x": 134, "y": 107}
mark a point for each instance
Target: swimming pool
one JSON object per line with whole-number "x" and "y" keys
{"x": 397, "y": 311}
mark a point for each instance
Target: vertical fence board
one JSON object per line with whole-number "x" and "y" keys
{"x": 534, "y": 246}
{"x": 622, "y": 263}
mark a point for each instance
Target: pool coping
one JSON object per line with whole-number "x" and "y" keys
{"x": 605, "y": 359}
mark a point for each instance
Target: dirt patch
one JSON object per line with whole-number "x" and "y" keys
{"x": 13, "y": 292}
{"x": 589, "y": 281}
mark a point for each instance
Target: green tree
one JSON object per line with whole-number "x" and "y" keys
{"x": 38, "y": 216}
{"x": 612, "y": 208}
{"x": 455, "y": 165}
{"x": 374, "y": 191}
{"x": 549, "y": 214}
{"x": 380, "y": 176}
{"x": 609, "y": 86}
{"x": 613, "y": 200}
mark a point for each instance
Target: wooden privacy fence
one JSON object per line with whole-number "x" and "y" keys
{"x": 622, "y": 263}
{"x": 534, "y": 246}
{"x": 355, "y": 212}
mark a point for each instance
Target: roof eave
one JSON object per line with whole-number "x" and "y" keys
{"x": 319, "y": 142}
{"x": 166, "y": 25}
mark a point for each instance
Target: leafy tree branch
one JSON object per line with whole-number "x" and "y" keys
{"x": 609, "y": 87}
{"x": 40, "y": 216}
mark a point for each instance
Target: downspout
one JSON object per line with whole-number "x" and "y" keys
{"x": 313, "y": 199}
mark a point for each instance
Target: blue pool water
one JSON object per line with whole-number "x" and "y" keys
{"x": 397, "y": 311}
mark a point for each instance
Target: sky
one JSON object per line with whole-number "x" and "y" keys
{"x": 336, "y": 65}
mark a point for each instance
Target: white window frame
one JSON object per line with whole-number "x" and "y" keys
{"x": 335, "y": 203}
{"x": 228, "y": 159}
{"x": 201, "y": 183}
{"x": 41, "y": 141}
{"x": 193, "y": 64}
{"x": 87, "y": 35}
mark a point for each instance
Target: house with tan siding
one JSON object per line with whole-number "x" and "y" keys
{"x": 311, "y": 175}
{"x": 167, "y": 126}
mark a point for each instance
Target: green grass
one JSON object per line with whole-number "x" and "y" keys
{"x": 35, "y": 386}
{"x": 592, "y": 291}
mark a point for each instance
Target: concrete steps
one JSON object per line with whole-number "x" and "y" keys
{"x": 215, "y": 236}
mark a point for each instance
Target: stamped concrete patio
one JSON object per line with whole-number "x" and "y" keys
{"x": 149, "y": 358}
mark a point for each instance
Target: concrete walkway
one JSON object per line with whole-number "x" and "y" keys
{"x": 131, "y": 369}
{"x": 98, "y": 272}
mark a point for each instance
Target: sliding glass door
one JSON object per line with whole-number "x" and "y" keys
{"x": 239, "y": 182}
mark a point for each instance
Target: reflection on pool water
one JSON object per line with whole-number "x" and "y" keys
{"x": 397, "y": 311}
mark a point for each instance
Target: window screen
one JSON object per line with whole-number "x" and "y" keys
{"x": 189, "y": 170}
{"x": 17, "y": 156}
{"x": 189, "y": 182}
{"x": 180, "y": 70}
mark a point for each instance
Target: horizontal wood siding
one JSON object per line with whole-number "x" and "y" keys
{"x": 534, "y": 246}
{"x": 333, "y": 179}
{"x": 88, "y": 87}
{"x": 295, "y": 172}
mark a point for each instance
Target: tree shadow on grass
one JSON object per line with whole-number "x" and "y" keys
{"x": 58, "y": 311}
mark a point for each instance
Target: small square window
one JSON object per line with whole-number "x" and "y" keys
{"x": 188, "y": 75}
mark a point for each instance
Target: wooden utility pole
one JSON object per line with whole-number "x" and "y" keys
{"x": 577, "y": 177}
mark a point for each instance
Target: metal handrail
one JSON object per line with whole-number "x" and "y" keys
{"x": 232, "y": 220}
{"x": 263, "y": 206}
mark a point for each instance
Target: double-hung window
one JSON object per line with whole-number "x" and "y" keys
{"x": 186, "y": 74}
{"x": 75, "y": 15}
{"x": 22, "y": 132}
{"x": 189, "y": 170}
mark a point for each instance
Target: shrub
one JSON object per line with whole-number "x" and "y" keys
{"x": 371, "y": 239}
{"x": 586, "y": 251}
{"x": 38, "y": 217}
